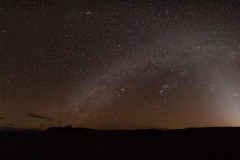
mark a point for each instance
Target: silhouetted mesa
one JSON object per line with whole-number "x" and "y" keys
{"x": 68, "y": 129}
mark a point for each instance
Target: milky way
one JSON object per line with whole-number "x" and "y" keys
{"x": 122, "y": 65}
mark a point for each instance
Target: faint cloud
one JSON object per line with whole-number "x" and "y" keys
{"x": 50, "y": 119}
{"x": 33, "y": 115}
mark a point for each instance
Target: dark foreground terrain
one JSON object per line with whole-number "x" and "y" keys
{"x": 68, "y": 143}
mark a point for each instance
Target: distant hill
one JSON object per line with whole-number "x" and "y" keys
{"x": 187, "y": 130}
{"x": 12, "y": 130}
{"x": 67, "y": 129}
{"x": 71, "y": 129}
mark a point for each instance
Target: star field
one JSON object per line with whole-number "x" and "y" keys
{"x": 119, "y": 65}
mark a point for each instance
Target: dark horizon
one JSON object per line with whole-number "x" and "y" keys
{"x": 69, "y": 128}
{"x": 68, "y": 143}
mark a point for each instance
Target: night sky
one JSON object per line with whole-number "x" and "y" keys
{"x": 119, "y": 64}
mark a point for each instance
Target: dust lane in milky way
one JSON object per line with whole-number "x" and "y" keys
{"x": 122, "y": 65}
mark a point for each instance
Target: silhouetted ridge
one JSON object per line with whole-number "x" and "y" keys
{"x": 12, "y": 130}
{"x": 67, "y": 129}
{"x": 70, "y": 128}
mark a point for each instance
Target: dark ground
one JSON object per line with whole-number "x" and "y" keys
{"x": 67, "y": 143}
